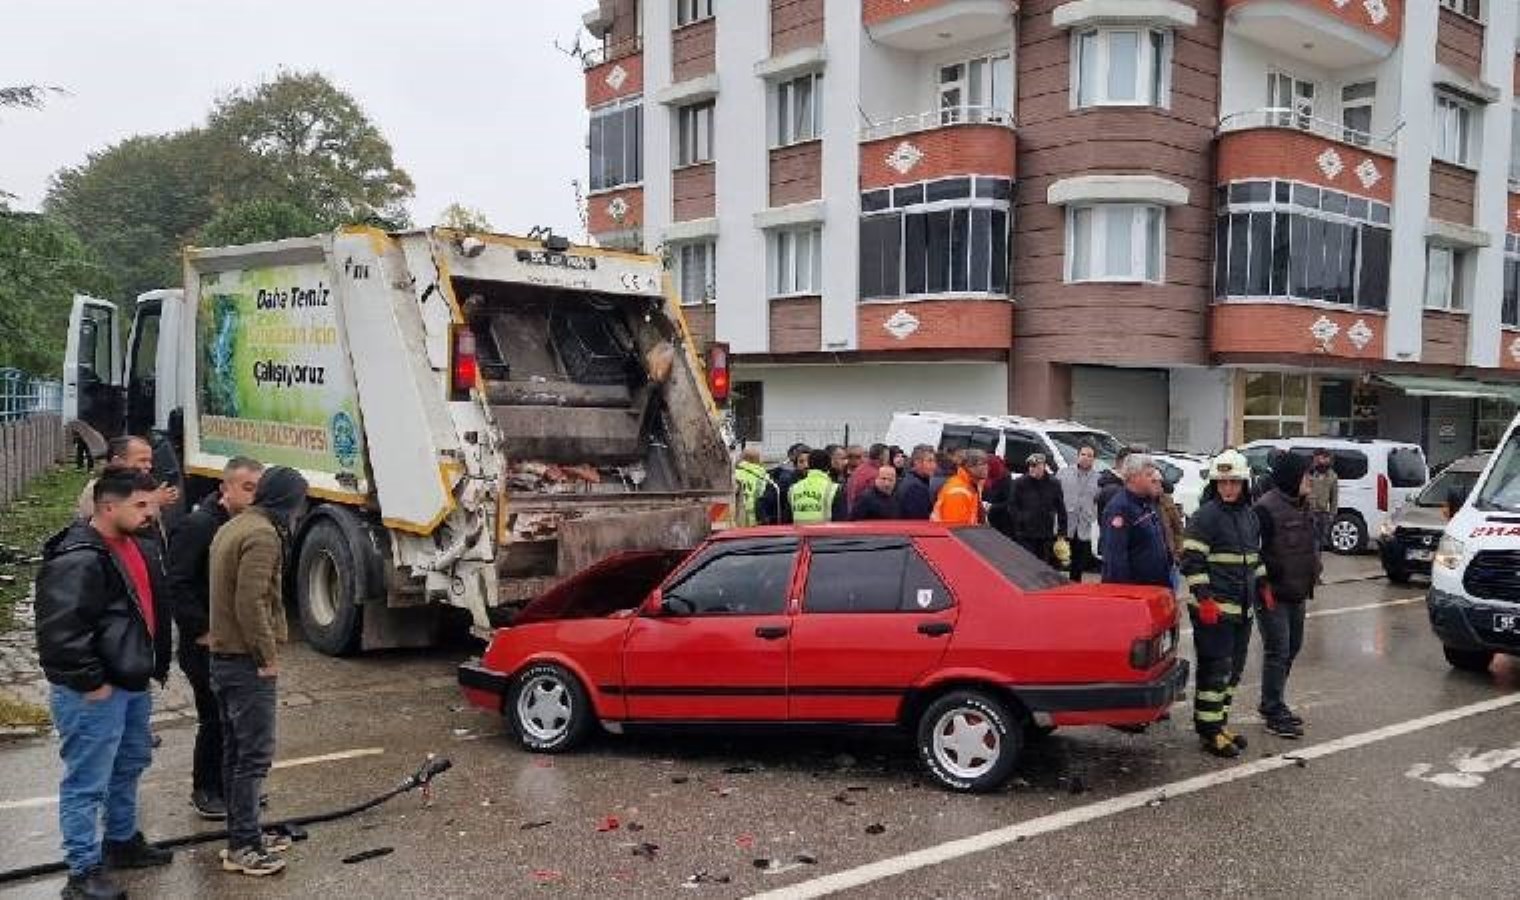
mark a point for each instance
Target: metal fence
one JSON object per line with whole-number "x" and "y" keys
{"x": 32, "y": 438}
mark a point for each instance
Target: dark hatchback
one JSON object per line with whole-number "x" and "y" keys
{"x": 1408, "y": 540}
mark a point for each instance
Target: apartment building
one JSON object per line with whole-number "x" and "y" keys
{"x": 1192, "y": 223}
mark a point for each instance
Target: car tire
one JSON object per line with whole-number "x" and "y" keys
{"x": 1034, "y": 733}
{"x": 1468, "y": 660}
{"x": 548, "y": 709}
{"x": 327, "y": 590}
{"x": 1348, "y": 534}
{"x": 1396, "y": 575}
{"x": 969, "y": 741}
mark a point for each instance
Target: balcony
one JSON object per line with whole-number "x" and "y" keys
{"x": 922, "y": 25}
{"x": 963, "y": 140}
{"x": 1332, "y": 34}
{"x": 611, "y": 51}
{"x": 615, "y": 78}
{"x": 1289, "y": 144}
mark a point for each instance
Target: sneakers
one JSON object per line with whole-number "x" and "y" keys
{"x": 1238, "y": 740}
{"x": 134, "y": 853}
{"x": 1285, "y": 727}
{"x": 255, "y": 861}
{"x": 208, "y": 806}
{"x": 1219, "y": 745}
{"x": 93, "y": 885}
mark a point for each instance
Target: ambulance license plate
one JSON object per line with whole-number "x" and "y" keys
{"x": 1507, "y": 623}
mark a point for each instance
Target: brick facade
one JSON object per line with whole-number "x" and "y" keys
{"x": 1444, "y": 339}
{"x": 796, "y": 325}
{"x": 1459, "y": 44}
{"x": 615, "y": 80}
{"x": 694, "y": 192}
{"x": 1290, "y": 153}
{"x": 954, "y": 324}
{"x": 873, "y": 12}
{"x": 1357, "y": 14}
{"x": 701, "y": 322}
{"x": 616, "y": 210}
{"x": 796, "y": 173}
{"x": 952, "y": 150}
{"x": 694, "y": 50}
{"x": 795, "y": 24}
{"x": 1252, "y": 328}
{"x": 1451, "y": 193}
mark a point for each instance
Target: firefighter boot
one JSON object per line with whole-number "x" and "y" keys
{"x": 1219, "y": 745}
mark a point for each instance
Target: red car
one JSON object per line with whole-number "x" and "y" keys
{"x": 955, "y": 634}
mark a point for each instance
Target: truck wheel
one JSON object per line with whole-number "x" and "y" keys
{"x": 969, "y": 741}
{"x": 1468, "y": 660}
{"x": 327, "y": 591}
{"x": 548, "y": 709}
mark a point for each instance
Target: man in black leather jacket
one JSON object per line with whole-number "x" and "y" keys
{"x": 1037, "y": 509}
{"x": 103, "y": 632}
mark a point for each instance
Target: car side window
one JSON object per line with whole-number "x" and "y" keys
{"x": 746, "y": 579}
{"x": 871, "y": 576}
{"x": 967, "y": 437}
{"x": 1349, "y": 465}
{"x": 1017, "y": 447}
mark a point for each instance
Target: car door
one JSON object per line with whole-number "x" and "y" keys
{"x": 874, "y": 618}
{"x": 715, "y": 646}
{"x": 92, "y": 390}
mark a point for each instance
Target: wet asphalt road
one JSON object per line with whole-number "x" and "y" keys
{"x": 503, "y": 823}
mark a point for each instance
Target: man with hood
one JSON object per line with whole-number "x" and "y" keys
{"x": 1037, "y": 509}
{"x": 1290, "y": 546}
{"x": 247, "y": 625}
{"x": 103, "y": 633}
{"x": 190, "y": 584}
{"x": 1221, "y": 559}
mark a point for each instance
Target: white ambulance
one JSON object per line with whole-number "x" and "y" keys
{"x": 1474, "y": 598}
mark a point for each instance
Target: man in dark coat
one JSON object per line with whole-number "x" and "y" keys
{"x": 1037, "y": 509}
{"x": 915, "y": 496}
{"x": 1290, "y": 548}
{"x": 880, "y": 499}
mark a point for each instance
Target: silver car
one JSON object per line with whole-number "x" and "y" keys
{"x": 1408, "y": 538}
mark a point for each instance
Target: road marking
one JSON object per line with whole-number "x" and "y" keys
{"x": 1345, "y": 610}
{"x": 1000, "y": 837}
{"x": 34, "y": 802}
{"x": 1470, "y": 767}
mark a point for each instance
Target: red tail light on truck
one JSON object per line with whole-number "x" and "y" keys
{"x": 464, "y": 368}
{"x": 717, "y": 372}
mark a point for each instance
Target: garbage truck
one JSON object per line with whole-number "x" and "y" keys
{"x": 478, "y": 415}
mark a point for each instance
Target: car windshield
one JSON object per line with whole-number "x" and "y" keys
{"x": 1070, "y": 444}
{"x": 1441, "y": 489}
{"x": 1018, "y": 565}
{"x": 1501, "y": 491}
{"x": 1169, "y": 473}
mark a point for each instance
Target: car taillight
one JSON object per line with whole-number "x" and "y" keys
{"x": 1145, "y": 653}
{"x": 464, "y": 368}
{"x": 1383, "y": 493}
{"x": 717, "y": 372}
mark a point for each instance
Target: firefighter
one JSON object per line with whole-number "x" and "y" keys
{"x": 759, "y": 497}
{"x": 1221, "y": 557}
{"x": 816, "y": 498}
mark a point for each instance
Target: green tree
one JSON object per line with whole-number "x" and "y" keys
{"x": 251, "y": 221}
{"x": 463, "y": 218}
{"x": 307, "y": 141}
{"x": 42, "y": 265}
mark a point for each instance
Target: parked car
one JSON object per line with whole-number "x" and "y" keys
{"x": 1408, "y": 539}
{"x": 1012, "y": 437}
{"x": 954, "y": 635}
{"x": 1187, "y": 473}
{"x": 1375, "y": 478}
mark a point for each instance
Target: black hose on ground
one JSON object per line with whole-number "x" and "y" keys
{"x": 431, "y": 768}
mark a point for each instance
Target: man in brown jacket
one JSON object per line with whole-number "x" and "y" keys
{"x": 247, "y": 625}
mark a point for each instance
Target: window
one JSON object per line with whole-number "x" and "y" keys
{"x": 946, "y": 236}
{"x": 1494, "y": 416}
{"x": 616, "y": 145}
{"x": 1277, "y": 405}
{"x": 741, "y": 579}
{"x": 1514, "y": 146}
{"x": 145, "y": 347}
{"x": 799, "y": 112}
{"x": 1443, "y": 279}
{"x": 1026, "y": 571}
{"x": 1114, "y": 242}
{"x": 747, "y": 400}
{"x": 1291, "y": 100}
{"x": 1285, "y": 239}
{"x": 871, "y": 575}
{"x": 1335, "y": 407}
{"x": 697, "y": 271}
{"x": 1468, "y": 8}
{"x": 695, "y": 126}
{"x": 1122, "y": 67}
{"x": 978, "y": 90}
{"x": 1406, "y": 467}
{"x": 1452, "y": 130}
{"x": 1356, "y": 112}
{"x": 1017, "y": 448}
{"x": 95, "y": 338}
{"x": 967, "y": 437}
{"x": 1349, "y": 465}
{"x": 689, "y": 11}
{"x": 1510, "y": 312}
{"x": 796, "y": 262}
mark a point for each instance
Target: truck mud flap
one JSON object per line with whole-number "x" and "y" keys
{"x": 586, "y": 541}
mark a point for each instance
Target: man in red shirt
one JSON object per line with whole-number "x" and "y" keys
{"x": 103, "y": 634}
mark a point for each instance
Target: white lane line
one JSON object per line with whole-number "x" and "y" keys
{"x": 999, "y": 837}
{"x": 34, "y": 802}
{"x": 1344, "y": 610}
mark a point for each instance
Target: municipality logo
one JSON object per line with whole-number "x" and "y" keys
{"x": 345, "y": 440}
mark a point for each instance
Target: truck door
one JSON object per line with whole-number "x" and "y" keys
{"x": 142, "y": 368}
{"x": 92, "y": 390}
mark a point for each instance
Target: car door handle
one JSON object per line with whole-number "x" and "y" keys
{"x": 935, "y": 629}
{"x": 772, "y": 632}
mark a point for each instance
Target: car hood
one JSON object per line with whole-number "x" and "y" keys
{"x": 620, "y": 581}
{"x": 1425, "y": 518}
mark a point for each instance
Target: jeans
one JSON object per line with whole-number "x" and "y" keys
{"x": 247, "y": 705}
{"x": 105, "y": 747}
{"x": 1082, "y": 560}
{"x": 195, "y": 662}
{"x": 1282, "y": 635}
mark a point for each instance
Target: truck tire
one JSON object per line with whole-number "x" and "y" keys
{"x": 327, "y": 590}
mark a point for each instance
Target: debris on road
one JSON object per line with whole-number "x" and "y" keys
{"x": 364, "y": 855}
{"x": 679, "y": 779}
{"x": 876, "y": 828}
{"x": 646, "y": 850}
{"x": 778, "y": 867}
{"x": 608, "y": 823}
{"x": 700, "y": 878}
{"x": 530, "y": 826}
{"x": 548, "y": 876}
{"x": 845, "y": 800}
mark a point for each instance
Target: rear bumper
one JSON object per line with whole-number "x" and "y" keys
{"x": 482, "y": 686}
{"x": 1125, "y": 703}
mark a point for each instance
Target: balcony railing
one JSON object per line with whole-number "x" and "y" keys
{"x": 1298, "y": 120}
{"x": 937, "y": 118}
{"x": 612, "y": 51}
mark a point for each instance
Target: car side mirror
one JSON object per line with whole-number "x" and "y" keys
{"x": 673, "y": 605}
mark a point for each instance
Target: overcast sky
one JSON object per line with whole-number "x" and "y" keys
{"x": 477, "y": 103}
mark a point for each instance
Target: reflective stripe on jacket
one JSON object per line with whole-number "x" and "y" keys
{"x": 753, "y": 482}
{"x": 1221, "y": 556}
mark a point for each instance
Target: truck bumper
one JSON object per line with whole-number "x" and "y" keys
{"x": 1463, "y": 624}
{"x": 483, "y": 687}
{"x": 1108, "y": 704}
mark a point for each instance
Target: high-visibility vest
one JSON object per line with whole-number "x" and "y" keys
{"x": 753, "y": 482}
{"x": 812, "y": 498}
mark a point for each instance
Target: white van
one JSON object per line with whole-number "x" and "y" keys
{"x": 1013, "y": 438}
{"x": 1376, "y": 477}
{"x": 1474, "y": 597}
